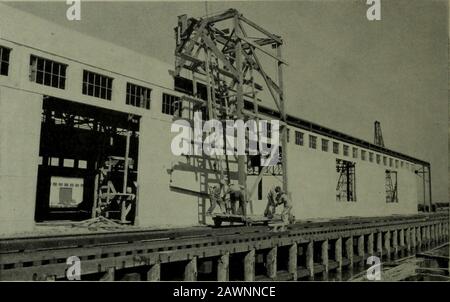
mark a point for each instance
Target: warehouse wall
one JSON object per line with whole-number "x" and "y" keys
{"x": 313, "y": 181}
{"x": 20, "y": 124}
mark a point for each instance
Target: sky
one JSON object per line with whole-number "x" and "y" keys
{"x": 344, "y": 71}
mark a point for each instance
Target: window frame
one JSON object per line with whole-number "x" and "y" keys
{"x": 5, "y": 62}
{"x": 40, "y": 74}
{"x": 312, "y": 141}
{"x": 129, "y": 96}
{"x": 169, "y": 107}
{"x": 345, "y": 150}
{"x": 325, "y": 142}
{"x": 335, "y": 147}
{"x": 86, "y": 85}
{"x": 354, "y": 152}
{"x": 299, "y": 138}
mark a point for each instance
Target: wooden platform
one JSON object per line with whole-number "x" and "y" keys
{"x": 248, "y": 220}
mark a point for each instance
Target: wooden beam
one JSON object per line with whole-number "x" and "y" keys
{"x": 269, "y": 83}
{"x": 262, "y": 30}
{"x": 189, "y": 48}
{"x": 380, "y": 244}
{"x": 370, "y": 239}
{"x": 310, "y": 258}
{"x": 349, "y": 250}
{"x": 292, "y": 264}
{"x": 361, "y": 252}
{"x": 249, "y": 266}
{"x": 408, "y": 239}
{"x": 221, "y": 17}
{"x": 223, "y": 267}
{"x": 338, "y": 253}
{"x": 395, "y": 242}
{"x": 402, "y": 237}
{"x": 109, "y": 274}
{"x": 190, "y": 270}
{"x": 154, "y": 272}
{"x": 220, "y": 55}
{"x": 387, "y": 244}
{"x": 248, "y": 41}
{"x": 324, "y": 254}
{"x": 271, "y": 262}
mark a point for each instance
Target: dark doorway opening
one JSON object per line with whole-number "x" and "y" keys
{"x": 76, "y": 140}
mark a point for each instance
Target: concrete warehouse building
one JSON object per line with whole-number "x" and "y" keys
{"x": 70, "y": 102}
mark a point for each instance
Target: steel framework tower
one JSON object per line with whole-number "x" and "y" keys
{"x": 229, "y": 54}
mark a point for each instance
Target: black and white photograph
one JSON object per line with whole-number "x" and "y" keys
{"x": 224, "y": 141}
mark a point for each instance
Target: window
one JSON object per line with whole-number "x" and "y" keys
{"x": 97, "y": 85}
{"x": 312, "y": 142}
{"x": 355, "y": 152}
{"x": 363, "y": 154}
{"x": 402, "y": 164}
{"x": 391, "y": 162}
{"x": 378, "y": 158}
{"x": 47, "y": 72}
{"x": 324, "y": 145}
{"x": 346, "y": 185}
{"x": 335, "y": 148}
{"x": 396, "y": 163}
{"x": 4, "y": 60}
{"x": 391, "y": 186}
{"x": 138, "y": 96}
{"x": 269, "y": 129}
{"x": 299, "y": 138}
{"x": 287, "y": 135}
{"x": 384, "y": 160}
{"x": 346, "y": 150}
{"x": 371, "y": 157}
{"x": 170, "y": 105}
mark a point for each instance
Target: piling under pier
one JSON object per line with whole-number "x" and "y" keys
{"x": 305, "y": 251}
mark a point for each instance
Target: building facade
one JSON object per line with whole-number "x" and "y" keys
{"x": 67, "y": 98}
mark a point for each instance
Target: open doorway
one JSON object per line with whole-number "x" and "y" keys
{"x": 82, "y": 149}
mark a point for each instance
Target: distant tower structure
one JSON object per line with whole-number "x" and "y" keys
{"x": 378, "y": 136}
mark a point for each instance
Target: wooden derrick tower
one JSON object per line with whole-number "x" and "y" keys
{"x": 230, "y": 56}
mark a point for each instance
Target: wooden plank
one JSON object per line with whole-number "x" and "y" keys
{"x": 223, "y": 267}
{"x": 292, "y": 264}
{"x": 154, "y": 272}
{"x": 249, "y": 266}
{"x": 190, "y": 270}
{"x": 271, "y": 262}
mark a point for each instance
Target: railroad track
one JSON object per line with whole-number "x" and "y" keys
{"x": 43, "y": 242}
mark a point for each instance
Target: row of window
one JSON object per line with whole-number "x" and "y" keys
{"x": 51, "y": 73}
{"x": 365, "y": 155}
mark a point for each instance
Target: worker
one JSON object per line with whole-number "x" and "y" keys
{"x": 286, "y": 214}
{"x": 215, "y": 198}
{"x": 275, "y": 198}
{"x": 271, "y": 201}
{"x": 237, "y": 195}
